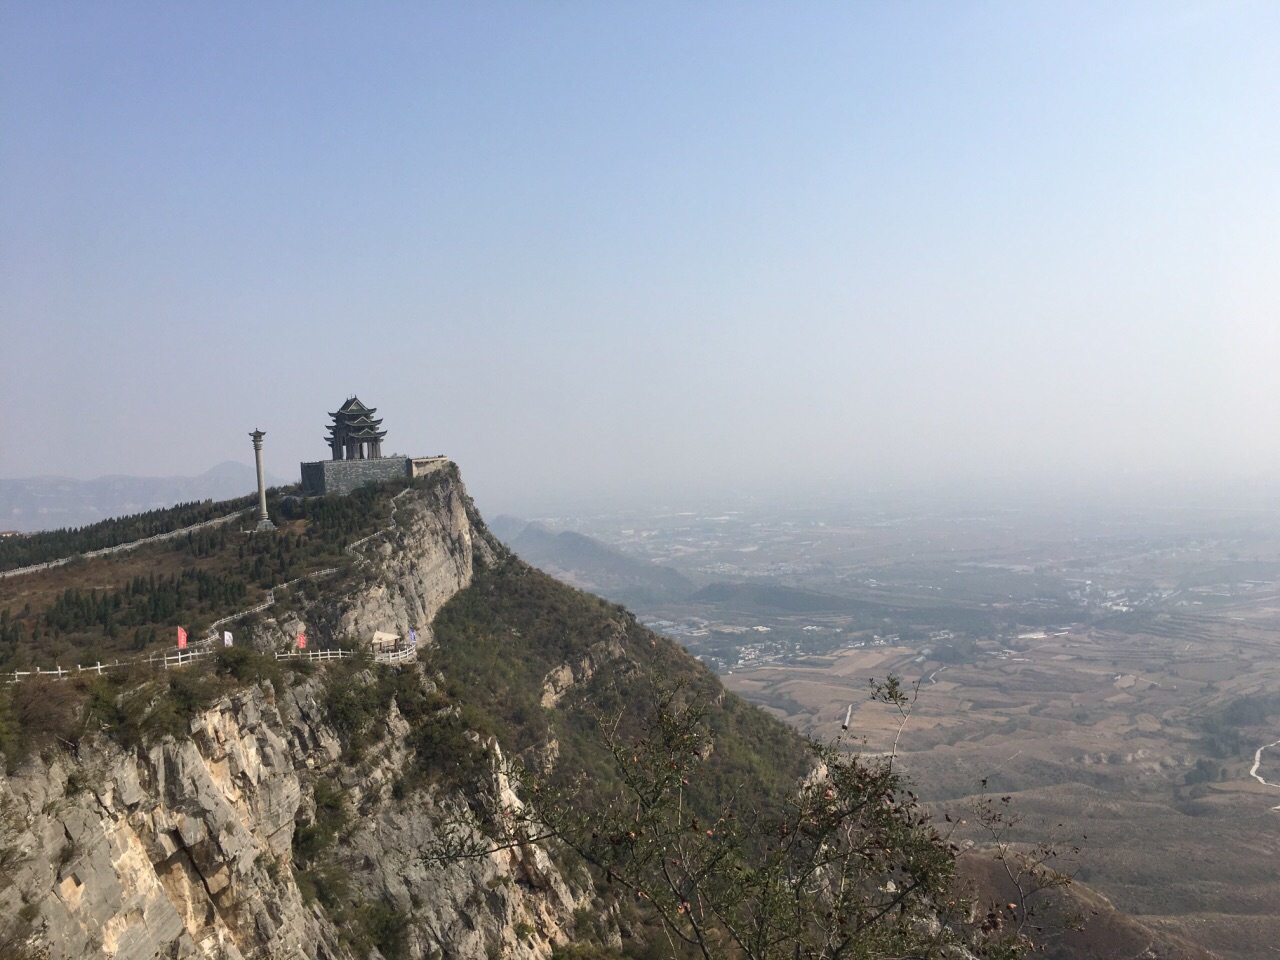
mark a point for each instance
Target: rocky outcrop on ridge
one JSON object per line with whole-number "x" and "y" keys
{"x": 427, "y": 557}
{"x": 184, "y": 848}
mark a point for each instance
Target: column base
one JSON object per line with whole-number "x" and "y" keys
{"x": 264, "y": 526}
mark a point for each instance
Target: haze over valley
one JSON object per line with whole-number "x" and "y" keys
{"x": 1115, "y": 670}
{"x": 809, "y": 345}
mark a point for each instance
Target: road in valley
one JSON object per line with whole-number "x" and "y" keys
{"x": 1257, "y": 762}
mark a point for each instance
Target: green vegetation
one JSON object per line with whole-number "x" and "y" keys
{"x": 957, "y": 651}
{"x": 1223, "y": 734}
{"x": 384, "y": 927}
{"x": 846, "y": 863}
{"x": 683, "y": 802}
{"x": 1204, "y": 771}
{"x": 135, "y": 706}
{"x": 357, "y": 697}
{"x": 708, "y": 828}
{"x": 34, "y": 548}
{"x": 144, "y": 601}
{"x": 51, "y": 616}
{"x": 1251, "y": 711}
{"x": 312, "y": 840}
{"x": 497, "y": 641}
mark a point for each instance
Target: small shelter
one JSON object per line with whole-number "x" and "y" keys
{"x": 385, "y": 643}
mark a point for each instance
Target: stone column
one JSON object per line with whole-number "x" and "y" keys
{"x": 264, "y": 521}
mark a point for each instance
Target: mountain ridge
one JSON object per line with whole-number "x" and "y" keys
{"x": 247, "y": 805}
{"x": 590, "y": 564}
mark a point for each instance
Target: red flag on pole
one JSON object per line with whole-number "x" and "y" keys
{"x": 182, "y": 639}
{"x": 302, "y": 640}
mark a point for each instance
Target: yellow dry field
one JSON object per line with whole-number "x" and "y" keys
{"x": 1177, "y": 834}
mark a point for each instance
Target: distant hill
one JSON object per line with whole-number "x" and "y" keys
{"x": 769, "y": 599}
{"x": 589, "y": 564}
{"x": 51, "y": 503}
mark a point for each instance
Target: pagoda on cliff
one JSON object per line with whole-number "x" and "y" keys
{"x": 354, "y": 433}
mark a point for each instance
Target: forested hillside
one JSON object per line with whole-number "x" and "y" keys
{"x": 548, "y": 779}
{"x": 129, "y": 601}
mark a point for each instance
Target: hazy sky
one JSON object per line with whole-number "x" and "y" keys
{"x": 623, "y": 248}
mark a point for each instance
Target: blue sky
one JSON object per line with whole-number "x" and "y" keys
{"x": 629, "y": 249}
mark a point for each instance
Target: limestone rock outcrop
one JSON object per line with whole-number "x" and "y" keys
{"x": 185, "y": 848}
{"x": 564, "y": 677}
{"x": 418, "y": 564}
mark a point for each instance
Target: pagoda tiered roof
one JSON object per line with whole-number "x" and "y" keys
{"x": 353, "y": 406}
{"x": 365, "y": 434}
{"x": 354, "y": 431}
{"x": 356, "y": 421}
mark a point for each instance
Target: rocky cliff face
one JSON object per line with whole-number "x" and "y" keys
{"x": 427, "y": 556}
{"x": 185, "y": 848}
{"x": 299, "y": 814}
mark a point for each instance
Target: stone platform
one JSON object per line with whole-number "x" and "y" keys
{"x": 342, "y": 476}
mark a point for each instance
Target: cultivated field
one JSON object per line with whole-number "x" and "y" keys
{"x": 1103, "y": 732}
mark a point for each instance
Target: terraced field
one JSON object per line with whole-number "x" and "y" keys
{"x": 1122, "y": 737}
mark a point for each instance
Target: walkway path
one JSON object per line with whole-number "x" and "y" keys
{"x": 121, "y": 547}
{"x": 184, "y": 657}
{"x": 271, "y": 599}
{"x": 391, "y": 522}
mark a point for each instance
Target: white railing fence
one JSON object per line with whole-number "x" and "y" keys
{"x": 396, "y": 656}
{"x": 207, "y": 645}
{"x": 57, "y": 673}
{"x": 385, "y": 656}
{"x": 313, "y": 654}
{"x": 182, "y": 658}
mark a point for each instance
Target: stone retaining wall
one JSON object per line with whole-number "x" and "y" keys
{"x": 343, "y": 476}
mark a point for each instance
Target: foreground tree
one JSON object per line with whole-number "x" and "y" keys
{"x": 847, "y": 866}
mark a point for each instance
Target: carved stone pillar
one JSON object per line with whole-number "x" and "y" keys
{"x": 264, "y": 521}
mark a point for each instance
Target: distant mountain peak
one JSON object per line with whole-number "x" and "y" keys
{"x": 49, "y": 503}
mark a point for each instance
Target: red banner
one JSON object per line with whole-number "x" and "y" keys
{"x": 182, "y": 639}
{"x": 302, "y": 640}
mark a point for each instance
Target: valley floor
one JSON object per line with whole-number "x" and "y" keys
{"x": 1100, "y": 737}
